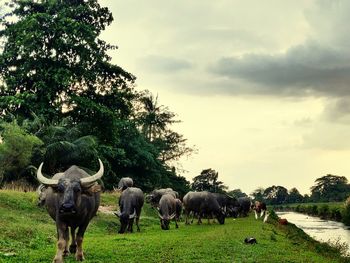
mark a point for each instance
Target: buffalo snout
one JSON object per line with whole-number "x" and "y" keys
{"x": 68, "y": 208}
{"x": 165, "y": 224}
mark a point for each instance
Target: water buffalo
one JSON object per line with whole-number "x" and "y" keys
{"x": 202, "y": 203}
{"x": 130, "y": 204}
{"x": 243, "y": 208}
{"x": 71, "y": 199}
{"x": 154, "y": 196}
{"x": 168, "y": 210}
{"x": 226, "y": 202}
{"x": 124, "y": 183}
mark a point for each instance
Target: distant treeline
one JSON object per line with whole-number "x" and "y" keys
{"x": 328, "y": 188}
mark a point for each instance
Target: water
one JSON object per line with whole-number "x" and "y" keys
{"x": 321, "y": 230}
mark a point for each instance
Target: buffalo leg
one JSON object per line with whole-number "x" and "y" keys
{"x": 131, "y": 222}
{"x": 62, "y": 232}
{"x": 199, "y": 218}
{"x": 137, "y": 223}
{"x": 73, "y": 245}
{"x": 79, "y": 254}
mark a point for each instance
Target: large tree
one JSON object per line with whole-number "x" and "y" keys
{"x": 208, "y": 181}
{"x": 330, "y": 188}
{"x": 155, "y": 123}
{"x": 275, "y": 195}
{"x": 54, "y": 66}
{"x": 294, "y": 196}
{"x": 53, "y": 62}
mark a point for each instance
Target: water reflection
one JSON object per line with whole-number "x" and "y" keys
{"x": 321, "y": 230}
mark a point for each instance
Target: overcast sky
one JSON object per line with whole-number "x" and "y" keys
{"x": 261, "y": 87}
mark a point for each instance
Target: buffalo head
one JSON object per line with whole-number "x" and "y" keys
{"x": 165, "y": 221}
{"x": 70, "y": 188}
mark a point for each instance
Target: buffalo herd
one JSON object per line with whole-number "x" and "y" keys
{"x": 72, "y": 199}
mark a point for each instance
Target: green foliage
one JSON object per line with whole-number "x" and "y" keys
{"x": 57, "y": 81}
{"x": 52, "y": 52}
{"x": 208, "y": 181}
{"x": 330, "y": 188}
{"x": 275, "y": 195}
{"x": 155, "y": 121}
{"x": 346, "y": 212}
{"x": 237, "y": 193}
{"x": 294, "y": 196}
{"x": 16, "y": 151}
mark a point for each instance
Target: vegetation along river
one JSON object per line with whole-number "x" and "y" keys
{"x": 321, "y": 230}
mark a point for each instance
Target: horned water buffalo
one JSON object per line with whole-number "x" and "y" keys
{"x": 71, "y": 199}
{"x": 124, "y": 183}
{"x": 154, "y": 196}
{"x": 226, "y": 202}
{"x": 169, "y": 208}
{"x": 202, "y": 203}
{"x": 243, "y": 208}
{"x": 130, "y": 203}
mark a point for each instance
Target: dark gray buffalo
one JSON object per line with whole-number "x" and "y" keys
{"x": 154, "y": 196}
{"x": 244, "y": 207}
{"x": 226, "y": 202}
{"x": 72, "y": 199}
{"x": 130, "y": 204}
{"x": 124, "y": 183}
{"x": 168, "y": 210}
{"x": 202, "y": 203}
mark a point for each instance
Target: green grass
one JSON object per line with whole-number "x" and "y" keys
{"x": 27, "y": 234}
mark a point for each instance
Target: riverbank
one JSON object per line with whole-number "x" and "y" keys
{"x": 335, "y": 211}
{"x": 332, "y": 232}
{"x": 28, "y": 235}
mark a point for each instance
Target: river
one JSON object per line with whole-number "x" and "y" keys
{"x": 321, "y": 230}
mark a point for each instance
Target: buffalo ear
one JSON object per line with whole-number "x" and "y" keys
{"x": 92, "y": 189}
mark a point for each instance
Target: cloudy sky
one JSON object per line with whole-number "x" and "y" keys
{"x": 261, "y": 87}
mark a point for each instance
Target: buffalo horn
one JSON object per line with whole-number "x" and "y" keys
{"x": 86, "y": 181}
{"x": 42, "y": 179}
{"x": 172, "y": 216}
{"x": 160, "y": 216}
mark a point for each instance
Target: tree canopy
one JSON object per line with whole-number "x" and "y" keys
{"x": 330, "y": 188}
{"x": 58, "y": 83}
{"x": 208, "y": 181}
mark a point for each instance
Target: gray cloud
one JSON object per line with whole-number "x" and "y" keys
{"x": 320, "y": 66}
{"x": 303, "y": 70}
{"x": 338, "y": 110}
{"x": 163, "y": 64}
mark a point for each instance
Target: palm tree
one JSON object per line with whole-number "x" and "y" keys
{"x": 154, "y": 118}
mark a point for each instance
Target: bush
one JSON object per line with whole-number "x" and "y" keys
{"x": 346, "y": 212}
{"x": 323, "y": 211}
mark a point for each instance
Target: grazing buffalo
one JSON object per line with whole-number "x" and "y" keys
{"x": 130, "y": 204}
{"x": 244, "y": 204}
{"x": 124, "y": 183}
{"x": 154, "y": 197}
{"x": 168, "y": 210}
{"x": 202, "y": 203}
{"x": 226, "y": 202}
{"x": 259, "y": 207}
{"x": 72, "y": 199}
{"x": 178, "y": 209}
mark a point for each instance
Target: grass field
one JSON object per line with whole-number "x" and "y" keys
{"x": 27, "y": 234}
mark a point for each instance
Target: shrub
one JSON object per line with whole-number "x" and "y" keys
{"x": 346, "y": 212}
{"x": 323, "y": 211}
